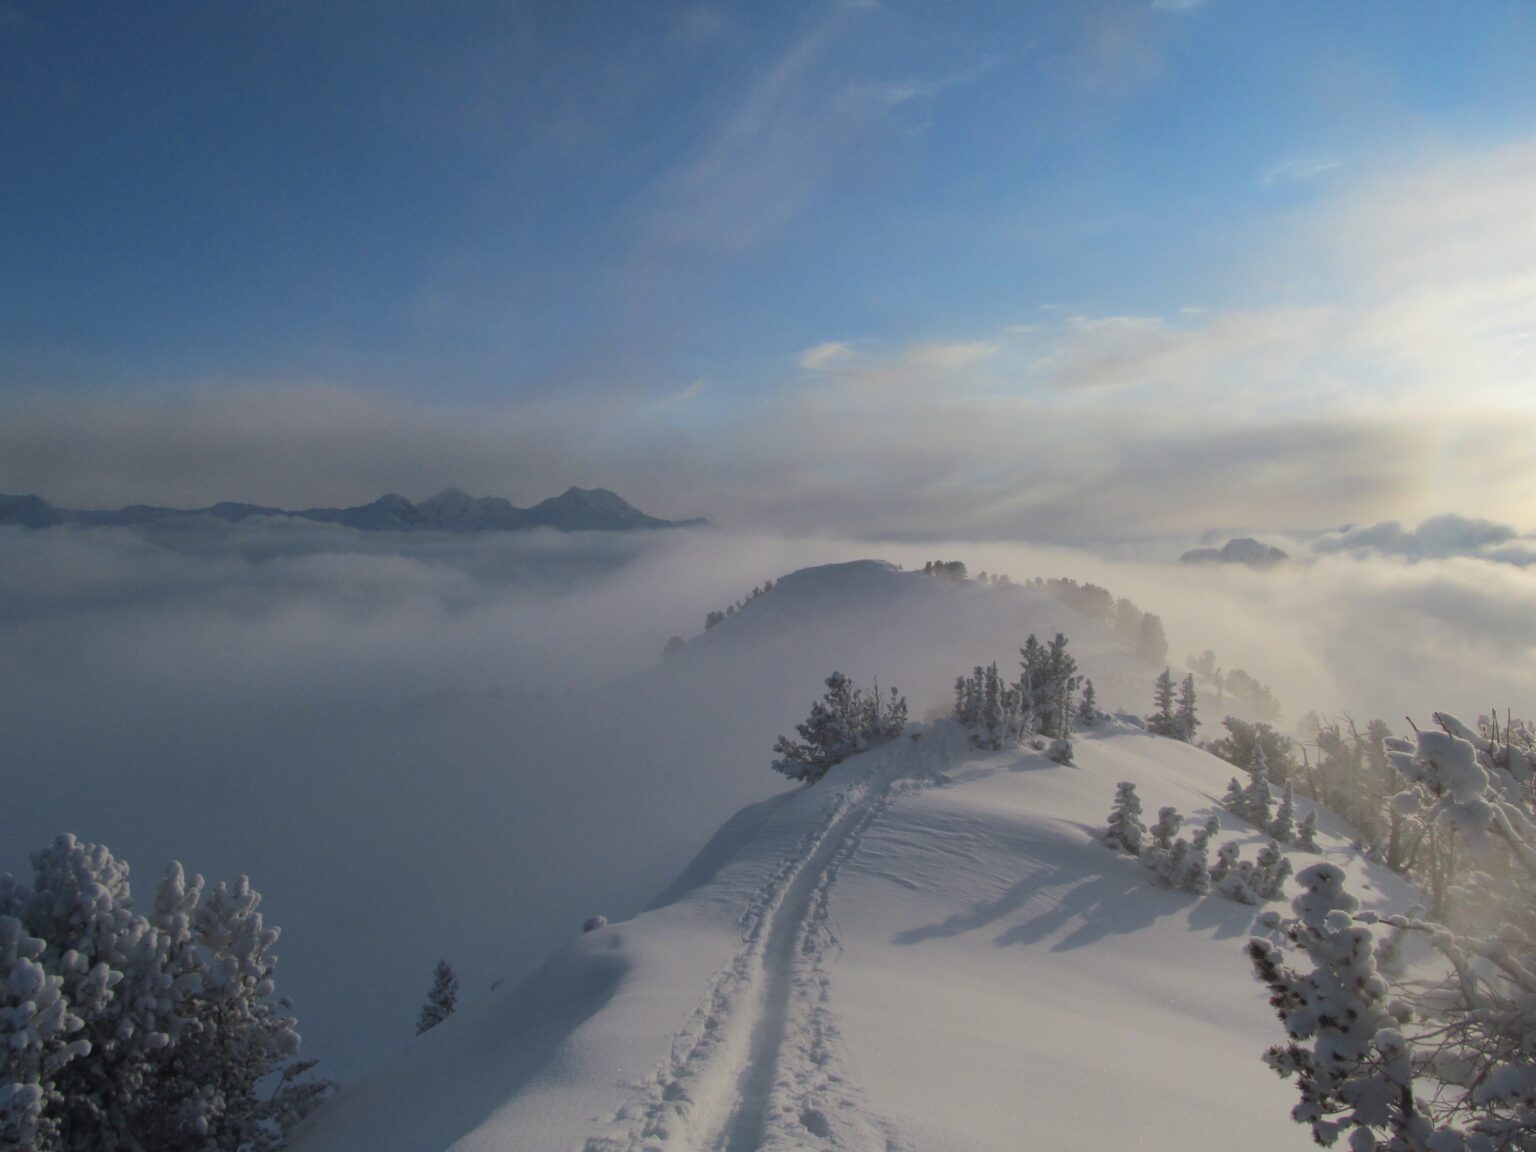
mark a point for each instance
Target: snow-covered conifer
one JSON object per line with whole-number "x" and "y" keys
{"x": 1201, "y": 836}
{"x": 1257, "y": 803}
{"x": 1356, "y": 1072}
{"x": 1226, "y": 861}
{"x": 441, "y": 1000}
{"x": 1233, "y": 800}
{"x": 1088, "y": 707}
{"x": 139, "y": 1032}
{"x": 38, "y": 1037}
{"x": 1167, "y": 827}
{"x": 1270, "y": 871}
{"x": 843, "y": 722}
{"x": 1306, "y": 835}
{"x": 1185, "y": 721}
{"x": 1126, "y": 830}
{"x": 1162, "y": 721}
{"x": 1283, "y": 826}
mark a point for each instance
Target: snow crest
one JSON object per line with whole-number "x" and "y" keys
{"x": 760, "y": 1064}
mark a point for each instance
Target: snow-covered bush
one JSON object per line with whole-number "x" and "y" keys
{"x": 1126, "y": 831}
{"x": 441, "y": 1000}
{"x": 1446, "y": 1062}
{"x": 119, "y": 1030}
{"x": 1182, "y": 864}
{"x": 1169, "y": 821}
{"x": 843, "y": 722}
{"x": 1250, "y": 881}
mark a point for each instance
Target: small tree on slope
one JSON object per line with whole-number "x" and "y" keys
{"x": 1162, "y": 722}
{"x": 441, "y": 1000}
{"x": 1185, "y": 722}
{"x": 1126, "y": 831}
{"x": 843, "y": 722}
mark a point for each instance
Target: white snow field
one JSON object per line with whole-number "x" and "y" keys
{"x": 928, "y": 949}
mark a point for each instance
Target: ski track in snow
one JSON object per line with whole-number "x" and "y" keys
{"x": 760, "y": 1063}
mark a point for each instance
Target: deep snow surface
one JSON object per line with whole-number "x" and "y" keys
{"x": 929, "y": 949}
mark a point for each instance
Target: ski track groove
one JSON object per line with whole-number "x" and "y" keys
{"x": 759, "y": 1064}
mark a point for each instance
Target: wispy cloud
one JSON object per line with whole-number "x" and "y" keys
{"x": 1177, "y": 5}
{"x": 688, "y": 393}
{"x": 825, "y": 355}
{"x": 1298, "y": 170}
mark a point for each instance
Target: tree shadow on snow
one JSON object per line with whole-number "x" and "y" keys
{"x": 1083, "y": 883}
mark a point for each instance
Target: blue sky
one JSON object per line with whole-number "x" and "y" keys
{"x": 668, "y": 227}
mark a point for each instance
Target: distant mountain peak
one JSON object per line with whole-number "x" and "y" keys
{"x": 452, "y": 509}
{"x": 1240, "y": 550}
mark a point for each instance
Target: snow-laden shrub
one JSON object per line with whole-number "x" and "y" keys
{"x": 843, "y": 722}
{"x": 120, "y": 1030}
{"x": 1181, "y": 864}
{"x": 1445, "y": 1062}
{"x": 1250, "y": 881}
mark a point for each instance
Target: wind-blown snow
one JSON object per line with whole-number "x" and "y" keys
{"x": 930, "y": 949}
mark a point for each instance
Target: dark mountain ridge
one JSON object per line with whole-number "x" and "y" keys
{"x": 574, "y": 510}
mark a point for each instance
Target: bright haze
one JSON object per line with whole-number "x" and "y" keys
{"x": 1053, "y": 289}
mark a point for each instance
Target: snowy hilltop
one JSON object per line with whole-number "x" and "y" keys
{"x": 930, "y": 948}
{"x": 574, "y": 510}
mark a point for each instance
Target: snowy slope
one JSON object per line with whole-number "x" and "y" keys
{"x": 929, "y": 949}
{"x": 492, "y": 824}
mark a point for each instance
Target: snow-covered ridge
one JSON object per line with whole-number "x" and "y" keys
{"x": 928, "y": 949}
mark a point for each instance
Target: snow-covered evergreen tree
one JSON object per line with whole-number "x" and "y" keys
{"x": 1126, "y": 830}
{"x": 441, "y": 1000}
{"x": 1169, "y": 821}
{"x": 1185, "y": 722}
{"x": 38, "y": 1036}
{"x": 1270, "y": 871}
{"x": 1232, "y": 801}
{"x": 843, "y": 722}
{"x": 1180, "y": 863}
{"x": 1162, "y": 721}
{"x": 1088, "y": 713}
{"x": 1306, "y": 835}
{"x": 1346, "y": 1053}
{"x": 1237, "y": 747}
{"x": 1257, "y": 805}
{"x": 123, "y": 1031}
{"x": 1283, "y": 826}
{"x": 1446, "y": 1065}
